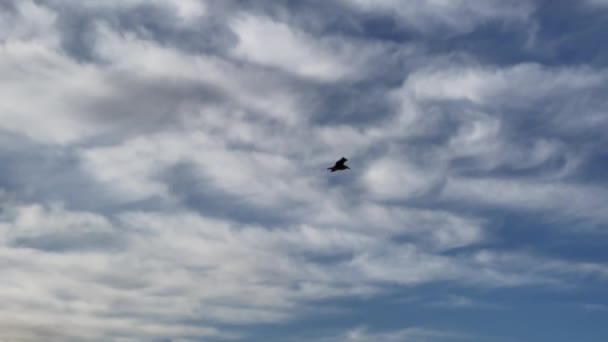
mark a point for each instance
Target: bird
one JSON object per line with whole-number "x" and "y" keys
{"x": 339, "y": 165}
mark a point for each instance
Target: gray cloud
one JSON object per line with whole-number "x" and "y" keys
{"x": 459, "y": 16}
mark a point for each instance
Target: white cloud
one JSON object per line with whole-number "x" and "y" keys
{"x": 514, "y": 85}
{"x": 327, "y": 59}
{"x": 166, "y": 268}
{"x": 69, "y": 109}
{"x": 391, "y": 178}
{"x": 31, "y": 23}
{"x": 275, "y": 44}
{"x": 482, "y": 112}
{"x": 558, "y": 198}
{"x": 189, "y": 10}
{"x": 40, "y": 101}
{"x": 135, "y": 168}
{"x": 248, "y": 88}
{"x": 36, "y": 221}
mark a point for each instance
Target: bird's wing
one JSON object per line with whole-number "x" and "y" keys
{"x": 341, "y": 161}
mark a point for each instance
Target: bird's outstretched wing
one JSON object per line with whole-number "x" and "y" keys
{"x": 341, "y": 161}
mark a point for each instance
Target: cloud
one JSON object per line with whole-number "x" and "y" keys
{"x": 288, "y": 50}
{"x": 597, "y": 2}
{"x": 408, "y": 334}
{"x": 325, "y": 59}
{"x": 187, "y": 10}
{"x": 163, "y": 165}
{"x": 29, "y": 59}
{"x": 30, "y": 22}
{"x": 56, "y": 229}
{"x": 94, "y": 94}
{"x": 392, "y": 178}
{"x": 196, "y": 269}
{"x": 459, "y": 16}
{"x": 515, "y": 85}
{"x": 156, "y": 63}
{"x": 595, "y": 307}
{"x": 559, "y": 198}
{"x": 454, "y": 301}
{"x": 54, "y": 278}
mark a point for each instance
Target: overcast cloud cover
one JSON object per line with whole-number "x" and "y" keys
{"x": 162, "y": 170}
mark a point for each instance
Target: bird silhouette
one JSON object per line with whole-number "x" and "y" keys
{"x": 339, "y": 165}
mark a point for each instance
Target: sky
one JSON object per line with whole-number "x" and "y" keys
{"x": 163, "y": 170}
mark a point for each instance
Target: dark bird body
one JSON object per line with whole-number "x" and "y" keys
{"x": 339, "y": 165}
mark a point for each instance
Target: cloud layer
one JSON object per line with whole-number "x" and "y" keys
{"x": 163, "y": 165}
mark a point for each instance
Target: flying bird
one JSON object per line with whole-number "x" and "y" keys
{"x": 339, "y": 165}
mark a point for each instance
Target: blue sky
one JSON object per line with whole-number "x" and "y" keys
{"x": 163, "y": 170}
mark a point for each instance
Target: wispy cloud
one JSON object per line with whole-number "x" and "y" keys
{"x": 408, "y": 334}
{"x": 459, "y": 16}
